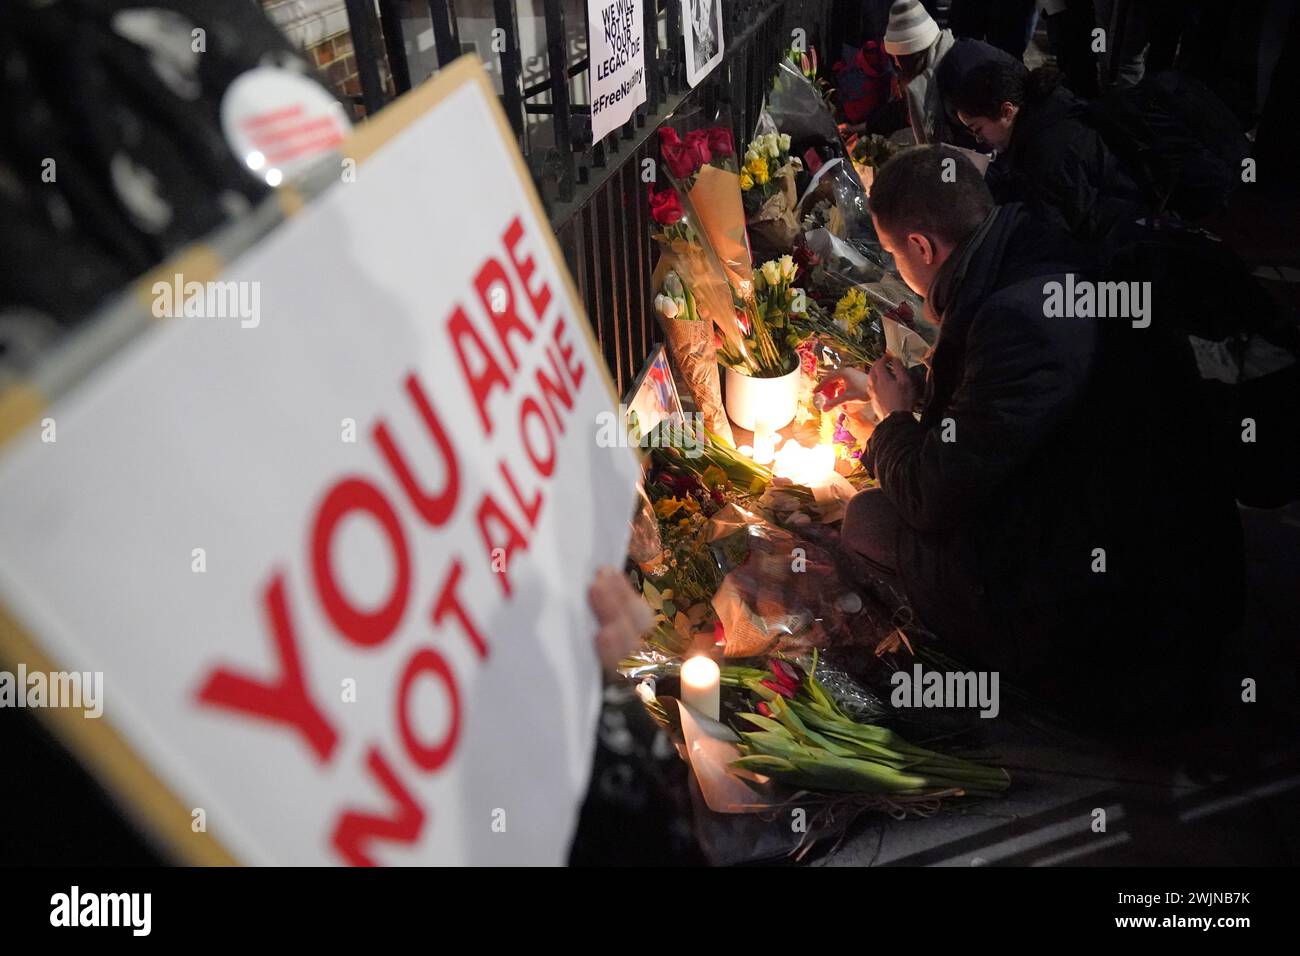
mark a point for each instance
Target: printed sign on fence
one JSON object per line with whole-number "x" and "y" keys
{"x": 616, "y": 76}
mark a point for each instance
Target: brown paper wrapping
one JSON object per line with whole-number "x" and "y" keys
{"x": 690, "y": 343}
{"x": 719, "y": 213}
{"x": 774, "y": 228}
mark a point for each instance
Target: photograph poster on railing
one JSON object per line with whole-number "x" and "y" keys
{"x": 702, "y": 31}
{"x": 615, "y": 39}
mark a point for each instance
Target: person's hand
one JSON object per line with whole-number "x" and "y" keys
{"x": 622, "y": 615}
{"x": 891, "y": 387}
{"x": 860, "y": 427}
{"x": 845, "y": 386}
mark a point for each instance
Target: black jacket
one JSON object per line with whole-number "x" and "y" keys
{"x": 1073, "y": 440}
{"x": 1059, "y": 164}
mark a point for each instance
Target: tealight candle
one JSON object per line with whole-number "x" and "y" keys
{"x": 701, "y": 681}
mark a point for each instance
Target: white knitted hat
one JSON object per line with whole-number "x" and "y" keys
{"x": 911, "y": 29}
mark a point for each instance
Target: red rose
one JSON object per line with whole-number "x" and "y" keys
{"x": 665, "y": 207}
{"x": 677, "y": 153}
{"x": 678, "y": 158}
{"x": 697, "y": 145}
{"x": 720, "y": 141}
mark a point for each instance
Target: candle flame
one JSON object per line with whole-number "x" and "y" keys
{"x": 805, "y": 466}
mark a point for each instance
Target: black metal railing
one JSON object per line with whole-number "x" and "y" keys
{"x": 594, "y": 192}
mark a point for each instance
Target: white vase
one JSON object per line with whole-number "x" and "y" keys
{"x": 751, "y": 400}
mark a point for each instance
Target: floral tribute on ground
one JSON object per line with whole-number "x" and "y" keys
{"x": 740, "y": 561}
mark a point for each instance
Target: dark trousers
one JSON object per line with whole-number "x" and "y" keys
{"x": 870, "y": 531}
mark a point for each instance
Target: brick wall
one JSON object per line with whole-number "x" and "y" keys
{"x": 337, "y": 61}
{"x": 320, "y": 29}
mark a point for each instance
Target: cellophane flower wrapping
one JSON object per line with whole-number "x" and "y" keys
{"x": 704, "y": 168}
{"x": 783, "y": 594}
{"x": 693, "y": 258}
{"x": 691, "y": 345}
{"x": 774, "y": 227}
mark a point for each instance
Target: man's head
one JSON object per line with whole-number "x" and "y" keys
{"x": 910, "y": 33}
{"x": 924, "y": 202}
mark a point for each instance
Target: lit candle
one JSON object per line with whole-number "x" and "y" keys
{"x": 700, "y": 685}
{"x": 806, "y": 466}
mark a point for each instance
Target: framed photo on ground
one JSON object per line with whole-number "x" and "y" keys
{"x": 654, "y": 397}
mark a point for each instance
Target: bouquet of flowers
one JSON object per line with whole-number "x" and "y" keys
{"x": 767, "y": 185}
{"x": 873, "y": 150}
{"x": 703, "y": 167}
{"x": 855, "y": 332}
{"x": 768, "y": 347}
{"x": 869, "y": 152}
{"x": 799, "y": 735}
{"x": 691, "y": 344}
{"x": 688, "y": 252}
{"x": 806, "y": 64}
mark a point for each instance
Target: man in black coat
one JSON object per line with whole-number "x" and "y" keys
{"x": 1050, "y": 513}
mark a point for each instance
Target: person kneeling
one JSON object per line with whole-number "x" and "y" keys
{"x": 1049, "y": 513}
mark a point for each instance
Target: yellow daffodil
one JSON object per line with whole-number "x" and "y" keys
{"x": 667, "y": 507}
{"x": 746, "y": 181}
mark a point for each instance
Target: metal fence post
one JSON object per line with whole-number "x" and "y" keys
{"x": 361, "y": 19}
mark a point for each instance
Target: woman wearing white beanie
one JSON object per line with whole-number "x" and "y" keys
{"x": 917, "y": 45}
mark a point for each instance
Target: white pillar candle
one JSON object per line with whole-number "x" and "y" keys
{"x": 701, "y": 681}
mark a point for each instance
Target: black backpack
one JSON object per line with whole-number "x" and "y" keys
{"x": 1181, "y": 142}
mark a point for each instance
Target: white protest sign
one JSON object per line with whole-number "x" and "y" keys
{"x": 616, "y": 52}
{"x": 333, "y": 564}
